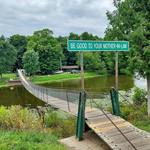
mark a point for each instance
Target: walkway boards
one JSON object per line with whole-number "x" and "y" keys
{"x": 100, "y": 124}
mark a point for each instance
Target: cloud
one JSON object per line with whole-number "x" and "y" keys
{"x": 61, "y": 16}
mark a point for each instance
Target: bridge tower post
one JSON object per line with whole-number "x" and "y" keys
{"x": 80, "y": 127}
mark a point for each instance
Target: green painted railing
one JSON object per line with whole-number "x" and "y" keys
{"x": 115, "y": 102}
{"x": 81, "y": 116}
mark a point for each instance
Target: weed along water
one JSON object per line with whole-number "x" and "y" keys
{"x": 17, "y": 95}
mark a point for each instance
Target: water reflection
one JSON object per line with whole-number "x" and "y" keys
{"x": 17, "y": 96}
{"x": 96, "y": 84}
{"x": 101, "y": 84}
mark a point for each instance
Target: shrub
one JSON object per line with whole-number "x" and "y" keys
{"x": 133, "y": 114}
{"x": 52, "y": 119}
{"x": 18, "y": 118}
{"x": 68, "y": 127}
{"x": 139, "y": 96}
{"x": 62, "y": 125}
{"x": 4, "y": 113}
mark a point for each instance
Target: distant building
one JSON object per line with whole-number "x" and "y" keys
{"x": 70, "y": 68}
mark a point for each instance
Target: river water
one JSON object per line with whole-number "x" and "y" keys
{"x": 101, "y": 84}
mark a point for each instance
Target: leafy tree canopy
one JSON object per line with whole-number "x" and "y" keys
{"x": 20, "y": 43}
{"x": 31, "y": 62}
{"x": 7, "y": 56}
{"x": 131, "y": 21}
{"x": 49, "y": 50}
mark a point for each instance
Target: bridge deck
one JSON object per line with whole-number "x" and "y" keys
{"x": 100, "y": 123}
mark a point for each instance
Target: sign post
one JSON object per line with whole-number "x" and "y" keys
{"x": 82, "y": 71}
{"x": 116, "y": 70}
{"x": 88, "y": 46}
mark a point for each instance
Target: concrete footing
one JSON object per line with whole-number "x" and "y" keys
{"x": 90, "y": 142}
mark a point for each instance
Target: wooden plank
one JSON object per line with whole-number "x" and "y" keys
{"x": 124, "y": 146}
{"x": 144, "y": 147}
{"x": 139, "y": 142}
{"x": 102, "y": 118}
{"x": 115, "y": 132}
{"x": 106, "y": 123}
{"x": 89, "y": 109}
{"x": 120, "y": 145}
{"x": 93, "y": 114}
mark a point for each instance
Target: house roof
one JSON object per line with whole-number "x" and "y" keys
{"x": 70, "y": 67}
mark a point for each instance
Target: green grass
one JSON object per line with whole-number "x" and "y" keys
{"x": 29, "y": 141}
{"x": 46, "y": 78}
{"x": 59, "y": 77}
{"x": 136, "y": 116}
{"x": 143, "y": 124}
{"x": 5, "y": 78}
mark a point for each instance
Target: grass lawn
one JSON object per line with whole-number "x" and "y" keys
{"x": 5, "y": 78}
{"x": 46, "y": 78}
{"x": 13, "y": 140}
{"x": 60, "y": 77}
{"x": 143, "y": 124}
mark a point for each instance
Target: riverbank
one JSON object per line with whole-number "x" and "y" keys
{"x": 60, "y": 77}
{"x": 41, "y": 79}
{"x": 5, "y": 78}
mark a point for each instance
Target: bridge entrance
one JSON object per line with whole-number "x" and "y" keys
{"x": 117, "y": 133}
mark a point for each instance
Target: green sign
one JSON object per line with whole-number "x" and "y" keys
{"x": 83, "y": 45}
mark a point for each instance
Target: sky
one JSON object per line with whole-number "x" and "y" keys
{"x": 61, "y": 16}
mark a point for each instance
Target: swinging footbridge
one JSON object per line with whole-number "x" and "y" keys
{"x": 117, "y": 133}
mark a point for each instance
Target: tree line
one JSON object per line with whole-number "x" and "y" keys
{"x": 42, "y": 53}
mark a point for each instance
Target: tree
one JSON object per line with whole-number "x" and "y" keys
{"x": 131, "y": 21}
{"x": 92, "y": 62}
{"x": 31, "y": 62}
{"x": 20, "y": 43}
{"x": 7, "y": 56}
{"x": 49, "y": 50}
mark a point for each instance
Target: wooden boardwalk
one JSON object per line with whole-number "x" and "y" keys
{"x": 113, "y": 130}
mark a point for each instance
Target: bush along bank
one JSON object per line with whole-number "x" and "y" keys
{"x": 136, "y": 112}
{"x": 25, "y": 128}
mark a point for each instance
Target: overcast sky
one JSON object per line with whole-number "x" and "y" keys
{"x": 61, "y": 16}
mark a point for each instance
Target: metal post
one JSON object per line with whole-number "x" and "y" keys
{"x": 117, "y": 85}
{"x": 60, "y": 61}
{"x": 81, "y": 116}
{"x": 115, "y": 102}
{"x": 82, "y": 70}
{"x": 116, "y": 70}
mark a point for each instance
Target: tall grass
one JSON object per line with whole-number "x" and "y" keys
{"x": 12, "y": 140}
{"x": 21, "y": 119}
{"x": 23, "y": 129}
{"x": 61, "y": 126}
{"x": 18, "y": 118}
